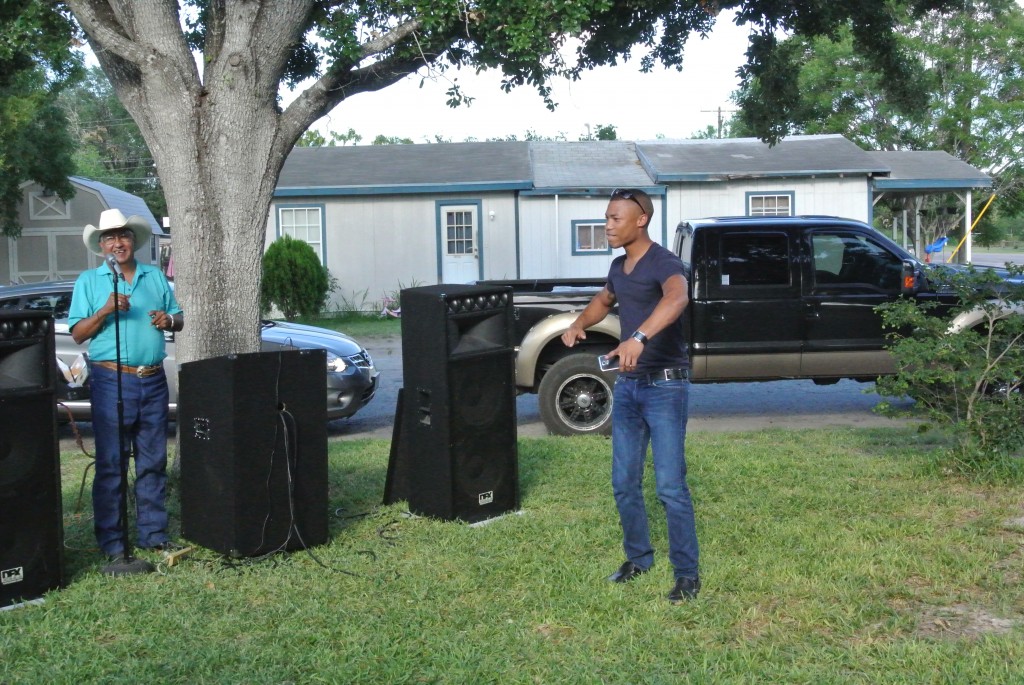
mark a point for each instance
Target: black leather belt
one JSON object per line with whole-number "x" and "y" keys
{"x": 666, "y": 375}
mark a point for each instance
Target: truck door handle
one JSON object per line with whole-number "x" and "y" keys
{"x": 813, "y": 310}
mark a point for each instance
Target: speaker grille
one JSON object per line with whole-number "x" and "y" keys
{"x": 31, "y": 521}
{"x": 457, "y": 452}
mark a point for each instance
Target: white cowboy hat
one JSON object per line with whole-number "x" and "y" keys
{"x": 111, "y": 219}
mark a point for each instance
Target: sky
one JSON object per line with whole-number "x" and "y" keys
{"x": 664, "y": 103}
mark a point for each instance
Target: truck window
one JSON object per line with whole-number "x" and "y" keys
{"x": 754, "y": 260}
{"x": 852, "y": 260}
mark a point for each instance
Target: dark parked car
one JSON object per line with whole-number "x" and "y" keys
{"x": 351, "y": 375}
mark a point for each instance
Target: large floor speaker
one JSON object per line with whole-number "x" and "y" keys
{"x": 253, "y": 441}
{"x": 31, "y": 520}
{"x": 458, "y": 425}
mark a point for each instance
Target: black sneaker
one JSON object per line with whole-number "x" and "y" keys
{"x": 627, "y": 572}
{"x": 686, "y": 588}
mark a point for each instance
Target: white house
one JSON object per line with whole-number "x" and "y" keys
{"x": 386, "y": 217}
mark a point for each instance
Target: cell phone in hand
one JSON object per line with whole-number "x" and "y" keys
{"x": 608, "y": 363}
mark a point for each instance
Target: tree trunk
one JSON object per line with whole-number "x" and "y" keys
{"x": 218, "y": 148}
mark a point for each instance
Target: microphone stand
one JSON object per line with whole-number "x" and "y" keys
{"x": 127, "y": 564}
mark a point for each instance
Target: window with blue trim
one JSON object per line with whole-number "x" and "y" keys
{"x": 303, "y": 223}
{"x": 588, "y": 237}
{"x": 769, "y": 204}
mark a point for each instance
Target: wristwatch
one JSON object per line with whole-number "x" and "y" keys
{"x": 639, "y": 336}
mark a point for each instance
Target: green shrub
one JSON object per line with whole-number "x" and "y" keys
{"x": 966, "y": 381}
{"x": 294, "y": 280}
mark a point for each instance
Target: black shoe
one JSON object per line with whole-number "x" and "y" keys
{"x": 167, "y": 547}
{"x": 627, "y": 572}
{"x": 686, "y": 588}
{"x": 119, "y": 565}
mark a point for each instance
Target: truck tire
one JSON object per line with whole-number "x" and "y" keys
{"x": 576, "y": 397}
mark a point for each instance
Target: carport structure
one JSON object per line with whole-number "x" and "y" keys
{"x": 915, "y": 175}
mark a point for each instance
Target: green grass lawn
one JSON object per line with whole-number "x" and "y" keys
{"x": 359, "y": 326}
{"x": 831, "y": 556}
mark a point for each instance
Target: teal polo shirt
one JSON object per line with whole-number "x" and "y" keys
{"x": 141, "y": 343}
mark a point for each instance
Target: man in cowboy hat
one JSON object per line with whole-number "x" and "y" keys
{"x": 146, "y": 307}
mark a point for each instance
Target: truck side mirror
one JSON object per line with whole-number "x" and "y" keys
{"x": 908, "y": 278}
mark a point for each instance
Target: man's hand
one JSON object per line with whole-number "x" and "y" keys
{"x": 573, "y": 335}
{"x": 115, "y": 301}
{"x": 628, "y": 353}
{"x": 161, "y": 320}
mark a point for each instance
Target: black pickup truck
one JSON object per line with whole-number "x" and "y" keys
{"x": 771, "y": 298}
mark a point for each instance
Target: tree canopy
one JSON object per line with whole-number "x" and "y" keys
{"x": 36, "y": 62}
{"x": 219, "y": 134}
{"x": 971, "y": 74}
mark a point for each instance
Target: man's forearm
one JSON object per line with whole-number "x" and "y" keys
{"x": 593, "y": 313}
{"x": 88, "y": 327}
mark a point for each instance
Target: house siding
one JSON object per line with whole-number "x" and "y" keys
{"x": 377, "y": 244}
{"x": 843, "y": 197}
{"x": 546, "y": 235}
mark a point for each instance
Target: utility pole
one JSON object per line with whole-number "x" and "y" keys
{"x": 721, "y": 121}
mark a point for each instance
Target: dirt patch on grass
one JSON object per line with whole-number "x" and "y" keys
{"x": 962, "y": 621}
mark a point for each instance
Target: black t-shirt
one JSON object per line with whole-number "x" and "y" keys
{"x": 638, "y": 293}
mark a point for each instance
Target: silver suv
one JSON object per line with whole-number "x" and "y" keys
{"x": 351, "y": 375}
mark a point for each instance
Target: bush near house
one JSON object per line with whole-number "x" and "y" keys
{"x": 294, "y": 280}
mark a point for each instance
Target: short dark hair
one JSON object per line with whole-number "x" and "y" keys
{"x": 642, "y": 199}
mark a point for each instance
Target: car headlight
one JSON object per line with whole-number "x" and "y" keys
{"x": 335, "y": 364}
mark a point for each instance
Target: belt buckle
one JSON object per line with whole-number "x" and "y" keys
{"x": 143, "y": 371}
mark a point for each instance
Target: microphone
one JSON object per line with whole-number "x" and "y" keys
{"x": 114, "y": 266}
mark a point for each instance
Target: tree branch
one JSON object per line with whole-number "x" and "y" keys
{"x": 326, "y": 94}
{"x": 105, "y": 31}
{"x": 339, "y": 83}
{"x": 391, "y": 38}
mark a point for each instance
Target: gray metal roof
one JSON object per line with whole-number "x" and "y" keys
{"x": 590, "y": 164}
{"x": 927, "y": 170}
{"x": 376, "y": 169}
{"x": 738, "y": 158}
{"x": 543, "y": 167}
{"x": 116, "y": 198}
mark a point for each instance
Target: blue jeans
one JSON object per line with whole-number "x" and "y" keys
{"x": 655, "y": 413}
{"x": 145, "y": 434}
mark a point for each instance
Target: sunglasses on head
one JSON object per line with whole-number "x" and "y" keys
{"x": 619, "y": 194}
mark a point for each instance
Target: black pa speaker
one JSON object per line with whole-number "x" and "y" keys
{"x": 457, "y": 449}
{"x": 253, "y": 442}
{"x": 31, "y": 519}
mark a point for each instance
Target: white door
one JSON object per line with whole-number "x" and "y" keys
{"x": 460, "y": 262}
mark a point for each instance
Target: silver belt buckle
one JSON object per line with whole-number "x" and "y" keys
{"x": 142, "y": 371}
